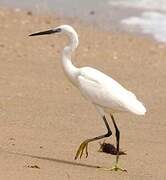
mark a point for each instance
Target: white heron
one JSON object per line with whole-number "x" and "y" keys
{"x": 107, "y": 95}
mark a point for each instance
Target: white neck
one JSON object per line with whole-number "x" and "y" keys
{"x": 70, "y": 70}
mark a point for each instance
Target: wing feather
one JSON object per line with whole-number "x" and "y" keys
{"x": 104, "y": 91}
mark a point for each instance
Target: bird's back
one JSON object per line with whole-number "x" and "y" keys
{"x": 104, "y": 91}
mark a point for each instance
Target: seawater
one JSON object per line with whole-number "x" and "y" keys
{"x": 142, "y": 16}
{"x": 151, "y": 19}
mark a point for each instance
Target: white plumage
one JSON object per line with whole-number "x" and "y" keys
{"x": 105, "y": 93}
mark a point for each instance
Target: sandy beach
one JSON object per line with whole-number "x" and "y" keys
{"x": 43, "y": 118}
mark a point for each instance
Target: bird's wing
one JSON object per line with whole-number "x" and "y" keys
{"x": 102, "y": 90}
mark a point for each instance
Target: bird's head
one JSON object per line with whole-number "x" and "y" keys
{"x": 64, "y": 29}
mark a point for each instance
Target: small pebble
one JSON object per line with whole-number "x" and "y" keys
{"x": 2, "y": 45}
{"x": 12, "y": 139}
{"x": 33, "y": 166}
{"x": 92, "y": 12}
{"x": 29, "y": 13}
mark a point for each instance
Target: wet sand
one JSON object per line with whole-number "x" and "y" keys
{"x": 43, "y": 118}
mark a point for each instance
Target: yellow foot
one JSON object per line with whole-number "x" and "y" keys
{"x": 114, "y": 168}
{"x": 83, "y": 147}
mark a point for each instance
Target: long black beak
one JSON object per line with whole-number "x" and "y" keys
{"x": 50, "y": 31}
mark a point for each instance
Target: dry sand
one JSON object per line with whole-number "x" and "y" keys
{"x": 43, "y": 118}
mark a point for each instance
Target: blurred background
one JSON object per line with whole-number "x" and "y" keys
{"x": 137, "y": 16}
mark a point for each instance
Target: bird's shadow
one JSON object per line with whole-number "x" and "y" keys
{"x": 56, "y": 160}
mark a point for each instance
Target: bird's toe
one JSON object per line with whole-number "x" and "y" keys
{"x": 83, "y": 147}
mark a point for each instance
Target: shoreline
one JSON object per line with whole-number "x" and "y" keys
{"x": 62, "y": 17}
{"x": 104, "y": 15}
{"x": 108, "y": 18}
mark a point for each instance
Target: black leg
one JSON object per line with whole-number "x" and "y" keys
{"x": 109, "y": 132}
{"x": 84, "y": 145}
{"x": 117, "y": 133}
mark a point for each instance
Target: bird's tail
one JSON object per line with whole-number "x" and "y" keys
{"x": 137, "y": 107}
